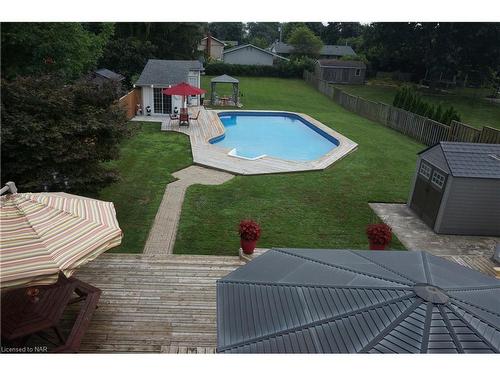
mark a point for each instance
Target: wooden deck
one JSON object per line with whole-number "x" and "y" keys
{"x": 154, "y": 304}
{"x": 209, "y": 126}
{"x": 166, "y": 304}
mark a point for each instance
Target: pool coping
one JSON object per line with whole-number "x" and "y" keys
{"x": 345, "y": 146}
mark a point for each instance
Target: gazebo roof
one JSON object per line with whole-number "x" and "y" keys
{"x": 224, "y": 79}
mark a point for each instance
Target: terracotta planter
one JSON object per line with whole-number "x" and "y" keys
{"x": 248, "y": 246}
{"x": 374, "y": 246}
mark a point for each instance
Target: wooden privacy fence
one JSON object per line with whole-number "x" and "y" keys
{"x": 422, "y": 129}
{"x": 129, "y": 102}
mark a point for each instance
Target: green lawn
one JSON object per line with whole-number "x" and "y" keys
{"x": 470, "y": 103}
{"x": 146, "y": 162}
{"x": 327, "y": 209}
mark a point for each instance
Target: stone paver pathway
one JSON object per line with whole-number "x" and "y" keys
{"x": 161, "y": 238}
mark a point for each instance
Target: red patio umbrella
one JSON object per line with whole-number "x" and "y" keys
{"x": 183, "y": 89}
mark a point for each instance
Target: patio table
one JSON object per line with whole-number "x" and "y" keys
{"x": 24, "y": 315}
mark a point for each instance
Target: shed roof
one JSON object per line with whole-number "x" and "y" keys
{"x": 326, "y": 50}
{"x": 224, "y": 79}
{"x": 344, "y": 301}
{"x": 167, "y": 72}
{"x": 109, "y": 74}
{"x": 474, "y": 160}
{"x": 237, "y": 48}
{"x": 334, "y": 63}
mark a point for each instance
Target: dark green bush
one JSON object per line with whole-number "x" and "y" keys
{"x": 286, "y": 69}
{"x": 408, "y": 99}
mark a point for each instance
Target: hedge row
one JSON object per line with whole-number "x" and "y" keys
{"x": 285, "y": 69}
{"x": 408, "y": 99}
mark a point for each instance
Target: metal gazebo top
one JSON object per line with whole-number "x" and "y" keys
{"x": 224, "y": 79}
{"x": 343, "y": 301}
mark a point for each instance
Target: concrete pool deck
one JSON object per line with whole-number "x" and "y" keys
{"x": 209, "y": 126}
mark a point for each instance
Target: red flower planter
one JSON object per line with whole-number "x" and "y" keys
{"x": 379, "y": 235}
{"x": 249, "y": 234}
{"x": 248, "y": 246}
{"x": 375, "y": 246}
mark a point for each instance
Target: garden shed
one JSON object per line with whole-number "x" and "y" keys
{"x": 340, "y": 71}
{"x": 456, "y": 188}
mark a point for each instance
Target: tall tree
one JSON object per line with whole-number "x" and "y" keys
{"x": 127, "y": 56}
{"x": 227, "y": 30}
{"x": 333, "y": 32}
{"x": 268, "y": 31}
{"x": 172, "y": 40}
{"x": 55, "y": 135}
{"x": 67, "y": 48}
{"x": 305, "y": 42}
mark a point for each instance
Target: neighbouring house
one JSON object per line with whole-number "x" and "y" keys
{"x": 102, "y": 76}
{"x": 249, "y": 54}
{"x": 341, "y": 71}
{"x": 160, "y": 74}
{"x": 212, "y": 47}
{"x": 456, "y": 188}
{"x": 328, "y": 51}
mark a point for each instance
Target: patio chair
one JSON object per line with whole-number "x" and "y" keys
{"x": 195, "y": 117}
{"x": 184, "y": 119}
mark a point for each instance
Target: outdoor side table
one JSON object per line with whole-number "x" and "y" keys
{"x": 23, "y": 317}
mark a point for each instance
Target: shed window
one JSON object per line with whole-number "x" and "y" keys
{"x": 358, "y": 72}
{"x": 438, "y": 179}
{"x": 425, "y": 170}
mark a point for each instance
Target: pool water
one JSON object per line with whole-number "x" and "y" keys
{"x": 281, "y": 135}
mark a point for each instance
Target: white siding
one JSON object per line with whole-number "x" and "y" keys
{"x": 147, "y": 98}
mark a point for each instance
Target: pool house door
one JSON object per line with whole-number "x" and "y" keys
{"x": 162, "y": 103}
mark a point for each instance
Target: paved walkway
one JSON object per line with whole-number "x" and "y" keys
{"x": 416, "y": 235}
{"x": 161, "y": 238}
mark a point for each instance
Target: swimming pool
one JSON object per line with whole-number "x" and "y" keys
{"x": 253, "y": 135}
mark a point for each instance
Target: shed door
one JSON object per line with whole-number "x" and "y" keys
{"x": 429, "y": 188}
{"x": 345, "y": 75}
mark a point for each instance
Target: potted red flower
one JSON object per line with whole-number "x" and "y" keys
{"x": 379, "y": 235}
{"x": 249, "y": 234}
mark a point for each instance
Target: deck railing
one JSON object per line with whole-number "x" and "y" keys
{"x": 422, "y": 129}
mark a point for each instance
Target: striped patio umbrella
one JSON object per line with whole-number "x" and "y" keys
{"x": 42, "y": 234}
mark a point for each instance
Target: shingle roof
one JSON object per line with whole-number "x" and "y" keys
{"x": 214, "y": 38}
{"x": 237, "y": 48}
{"x": 478, "y": 160}
{"x": 326, "y": 50}
{"x": 341, "y": 63}
{"x": 106, "y": 73}
{"x": 337, "y": 50}
{"x": 344, "y": 301}
{"x": 167, "y": 72}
